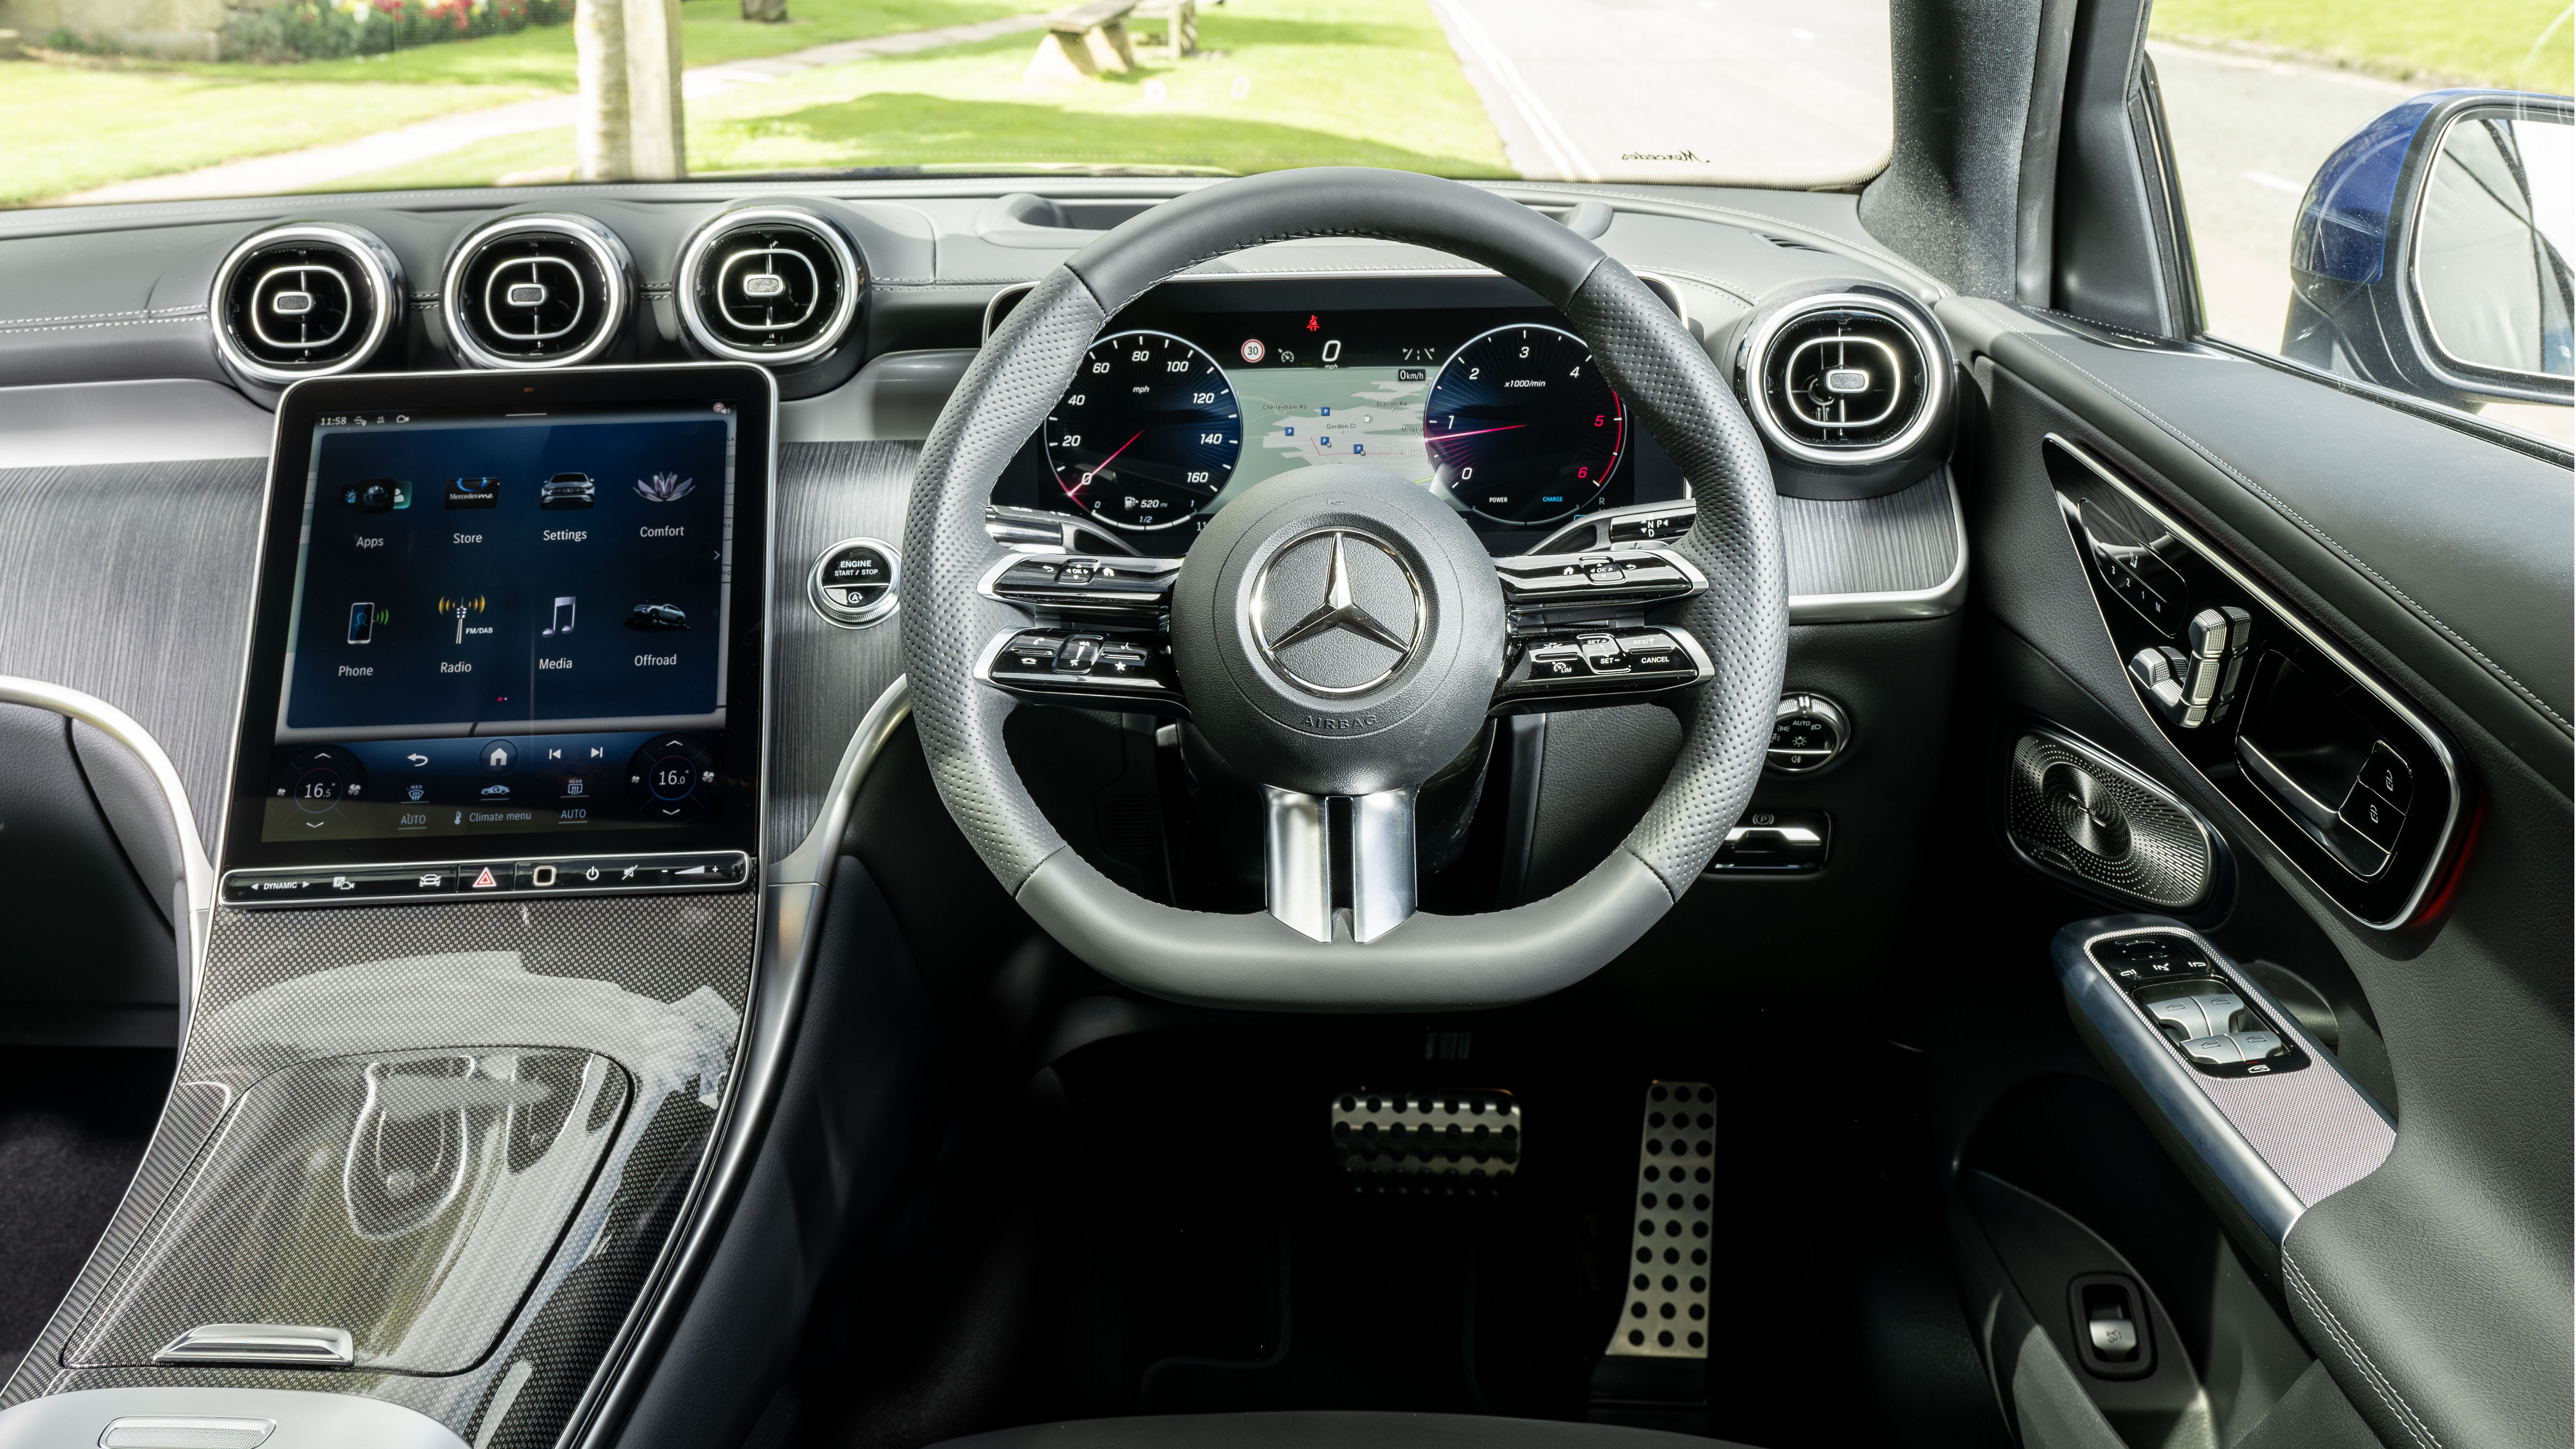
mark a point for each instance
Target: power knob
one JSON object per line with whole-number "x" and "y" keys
{"x": 1807, "y": 734}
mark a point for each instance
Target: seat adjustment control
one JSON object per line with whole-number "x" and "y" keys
{"x": 2192, "y": 688}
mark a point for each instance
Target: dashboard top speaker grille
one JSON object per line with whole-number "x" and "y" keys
{"x": 770, "y": 284}
{"x": 536, "y": 291}
{"x": 1845, "y": 379}
{"x": 2076, "y": 812}
{"x": 304, "y": 301}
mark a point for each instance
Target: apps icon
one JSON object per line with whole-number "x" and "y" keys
{"x": 378, "y": 495}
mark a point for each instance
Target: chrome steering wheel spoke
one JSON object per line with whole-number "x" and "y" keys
{"x": 1579, "y": 632}
{"x": 1374, "y": 871}
{"x": 1099, "y": 635}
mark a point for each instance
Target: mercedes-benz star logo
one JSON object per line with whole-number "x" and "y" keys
{"x": 1350, "y": 646}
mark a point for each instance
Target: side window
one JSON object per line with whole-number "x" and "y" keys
{"x": 2384, "y": 189}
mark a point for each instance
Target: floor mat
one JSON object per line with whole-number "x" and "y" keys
{"x": 73, "y": 1124}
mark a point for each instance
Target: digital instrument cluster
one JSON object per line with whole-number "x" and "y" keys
{"x": 1204, "y": 388}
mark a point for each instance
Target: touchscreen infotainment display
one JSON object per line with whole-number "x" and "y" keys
{"x": 511, "y": 614}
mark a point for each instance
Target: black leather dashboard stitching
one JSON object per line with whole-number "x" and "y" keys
{"x": 2320, "y": 535}
{"x": 2360, "y": 1359}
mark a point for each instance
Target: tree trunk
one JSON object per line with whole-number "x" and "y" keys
{"x": 603, "y": 142}
{"x": 655, "y": 120}
{"x": 627, "y": 54}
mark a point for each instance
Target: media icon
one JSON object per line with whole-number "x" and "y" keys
{"x": 563, "y": 619}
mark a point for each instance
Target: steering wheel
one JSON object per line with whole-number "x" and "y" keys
{"x": 1341, "y": 633}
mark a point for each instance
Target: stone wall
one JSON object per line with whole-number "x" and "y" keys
{"x": 176, "y": 29}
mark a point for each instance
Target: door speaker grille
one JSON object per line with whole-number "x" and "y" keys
{"x": 2077, "y": 813}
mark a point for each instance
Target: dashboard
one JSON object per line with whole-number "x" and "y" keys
{"x": 1204, "y": 388}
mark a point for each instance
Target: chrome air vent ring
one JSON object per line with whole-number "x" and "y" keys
{"x": 772, "y": 284}
{"x": 538, "y": 290}
{"x": 308, "y": 300}
{"x": 1844, "y": 379}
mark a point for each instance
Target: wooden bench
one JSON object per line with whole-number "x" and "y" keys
{"x": 1084, "y": 43}
{"x": 1180, "y": 20}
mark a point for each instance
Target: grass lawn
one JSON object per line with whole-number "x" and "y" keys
{"x": 2525, "y": 44}
{"x": 68, "y": 129}
{"x": 1278, "y": 83}
{"x": 710, "y": 30}
{"x": 150, "y": 118}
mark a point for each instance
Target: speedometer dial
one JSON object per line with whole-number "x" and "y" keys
{"x": 1521, "y": 426}
{"x": 1147, "y": 434}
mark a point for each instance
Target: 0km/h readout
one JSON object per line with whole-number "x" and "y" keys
{"x": 1521, "y": 426}
{"x": 1148, "y": 433}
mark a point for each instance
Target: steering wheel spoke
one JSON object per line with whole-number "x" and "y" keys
{"x": 1099, "y": 635}
{"x": 1579, "y": 632}
{"x": 1374, "y": 871}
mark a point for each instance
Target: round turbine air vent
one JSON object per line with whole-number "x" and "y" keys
{"x": 304, "y": 301}
{"x": 536, "y": 291}
{"x": 770, "y": 284}
{"x": 1845, "y": 379}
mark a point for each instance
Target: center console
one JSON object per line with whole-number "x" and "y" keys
{"x": 438, "y": 1136}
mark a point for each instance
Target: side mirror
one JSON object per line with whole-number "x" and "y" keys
{"x": 2431, "y": 251}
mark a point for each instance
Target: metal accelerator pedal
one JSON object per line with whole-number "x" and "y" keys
{"x": 1654, "y": 1373}
{"x": 1440, "y": 1143}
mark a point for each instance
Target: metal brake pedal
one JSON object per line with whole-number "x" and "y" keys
{"x": 1666, "y": 1315}
{"x": 1426, "y": 1143}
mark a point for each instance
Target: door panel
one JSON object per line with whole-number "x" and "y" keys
{"x": 2436, "y": 1289}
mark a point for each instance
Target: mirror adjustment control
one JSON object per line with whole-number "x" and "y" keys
{"x": 1808, "y": 733}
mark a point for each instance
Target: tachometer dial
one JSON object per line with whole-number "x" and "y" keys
{"x": 1147, "y": 434}
{"x": 1521, "y": 426}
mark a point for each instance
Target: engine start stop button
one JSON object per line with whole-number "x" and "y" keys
{"x": 853, "y": 583}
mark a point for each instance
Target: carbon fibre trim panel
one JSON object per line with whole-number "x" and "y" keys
{"x": 658, "y": 985}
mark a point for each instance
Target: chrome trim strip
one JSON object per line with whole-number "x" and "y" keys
{"x": 272, "y": 1345}
{"x": 1384, "y": 880}
{"x": 116, "y": 724}
{"x": 1297, "y": 855}
{"x": 2299, "y": 625}
{"x": 799, "y": 890}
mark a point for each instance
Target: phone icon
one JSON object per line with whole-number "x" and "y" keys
{"x": 362, "y": 623}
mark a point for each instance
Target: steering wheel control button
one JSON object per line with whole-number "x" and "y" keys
{"x": 1077, "y": 654}
{"x": 853, "y": 584}
{"x": 445, "y": 881}
{"x": 1545, "y": 671}
{"x": 1639, "y": 576}
{"x": 1807, "y": 733}
{"x": 1776, "y": 842}
{"x": 1135, "y": 591}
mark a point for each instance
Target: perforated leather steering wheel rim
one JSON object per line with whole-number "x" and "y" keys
{"x": 1431, "y": 961}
